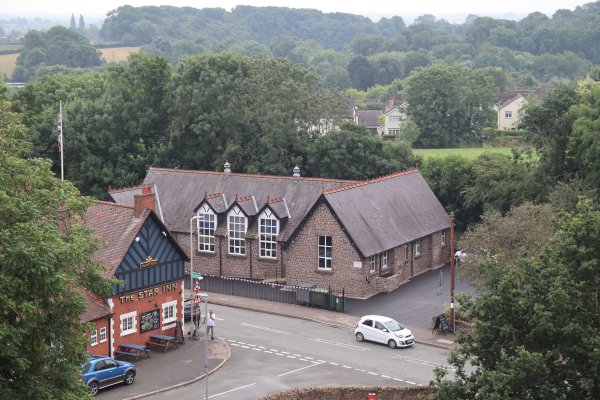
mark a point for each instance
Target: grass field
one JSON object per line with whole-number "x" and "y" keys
{"x": 111, "y": 54}
{"x": 10, "y": 46}
{"x": 116, "y": 54}
{"x": 468, "y": 153}
{"x": 7, "y": 64}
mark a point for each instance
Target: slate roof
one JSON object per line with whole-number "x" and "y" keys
{"x": 116, "y": 227}
{"x": 378, "y": 214}
{"x": 387, "y": 212}
{"x": 95, "y": 307}
{"x": 181, "y": 191}
{"x": 369, "y": 118}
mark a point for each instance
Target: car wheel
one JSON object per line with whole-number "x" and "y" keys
{"x": 392, "y": 344}
{"x": 359, "y": 337}
{"x": 93, "y": 388}
{"x": 129, "y": 377}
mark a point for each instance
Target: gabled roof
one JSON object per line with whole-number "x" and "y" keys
{"x": 216, "y": 201}
{"x": 387, "y": 212}
{"x": 369, "y": 118}
{"x": 279, "y": 207}
{"x": 182, "y": 190}
{"x": 510, "y": 100}
{"x": 116, "y": 227}
{"x": 95, "y": 307}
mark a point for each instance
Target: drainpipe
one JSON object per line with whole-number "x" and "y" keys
{"x": 220, "y": 256}
{"x": 412, "y": 259}
{"x": 250, "y": 257}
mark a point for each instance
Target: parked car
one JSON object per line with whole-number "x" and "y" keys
{"x": 378, "y": 328}
{"x": 187, "y": 309}
{"x": 101, "y": 371}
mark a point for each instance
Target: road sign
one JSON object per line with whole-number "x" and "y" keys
{"x": 197, "y": 298}
{"x": 197, "y": 275}
{"x": 197, "y": 284}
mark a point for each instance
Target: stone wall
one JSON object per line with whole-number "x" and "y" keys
{"x": 354, "y": 393}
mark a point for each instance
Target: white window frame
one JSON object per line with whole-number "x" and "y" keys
{"x": 103, "y": 334}
{"x": 206, "y": 234}
{"x": 325, "y": 253}
{"x": 268, "y": 229}
{"x": 393, "y": 131}
{"x": 444, "y": 238}
{"x": 130, "y": 329}
{"x": 372, "y": 263}
{"x": 508, "y": 114}
{"x": 418, "y": 247}
{"x": 169, "y": 311}
{"x": 384, "y": 260}
{"x": 237, "y": 224}
{"x": 93, "y": 337}
{"x": 395, "y": 119}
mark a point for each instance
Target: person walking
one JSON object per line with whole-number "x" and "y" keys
{"x": 210, "y": 324}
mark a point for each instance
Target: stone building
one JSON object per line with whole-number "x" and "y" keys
{"x": 365, "y": 237}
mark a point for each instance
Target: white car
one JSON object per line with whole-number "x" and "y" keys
{"x": 378, "y": 328}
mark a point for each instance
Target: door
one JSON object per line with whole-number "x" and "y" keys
{"x": 380, "y": 332}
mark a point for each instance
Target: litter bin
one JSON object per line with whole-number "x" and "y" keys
{"x": 337, "y": 303}
{"x": 319, "y": 297}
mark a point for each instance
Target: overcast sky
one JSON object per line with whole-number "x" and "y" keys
{"x": 373, "y": 10}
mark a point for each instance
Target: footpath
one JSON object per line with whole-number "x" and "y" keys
{"x": 185, "y": 365}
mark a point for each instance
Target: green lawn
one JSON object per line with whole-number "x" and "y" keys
{"x": 468, "y": 153}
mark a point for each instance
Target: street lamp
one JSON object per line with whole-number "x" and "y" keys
{"x": 203, "y": 296}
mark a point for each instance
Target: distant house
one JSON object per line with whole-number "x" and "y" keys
{"x": 370, "y": 119}
{"x": 509, "y": 105}
{"x": 137, "y": 249}
{"x": 393, "y": 118}
{"x": 365, "y": 237}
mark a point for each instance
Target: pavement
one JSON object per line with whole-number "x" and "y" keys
{"x": 185, "y": 365}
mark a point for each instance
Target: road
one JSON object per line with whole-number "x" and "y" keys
{"x": 271, "y": 353}
{"x": 415, "y": 302}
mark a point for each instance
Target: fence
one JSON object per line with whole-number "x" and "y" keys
{"x": 306, "y": 295}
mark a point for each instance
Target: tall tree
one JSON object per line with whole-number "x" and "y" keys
{"x": 81, "y": 23}
{"x": 44, "y": 260}
{"x": 537, "y": 329}
{"x": 449, "y": 103}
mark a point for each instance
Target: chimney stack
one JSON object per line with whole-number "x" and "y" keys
{"x": 142, "y": 201}
{"x": 296, "y": 174}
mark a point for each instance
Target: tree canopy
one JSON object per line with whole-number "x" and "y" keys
{"x": 45, "y": 253}
{"x": 57, "y": 46}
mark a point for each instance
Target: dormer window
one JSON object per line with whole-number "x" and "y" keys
{"x": 206, "y": 230}
{"x": 236, "y": 230}
{"x": 269, "y": 229}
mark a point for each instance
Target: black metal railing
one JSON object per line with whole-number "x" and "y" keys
{"x": 306, "y": 294}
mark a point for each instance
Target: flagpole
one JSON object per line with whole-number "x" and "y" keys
{"x": 62, "y": 145}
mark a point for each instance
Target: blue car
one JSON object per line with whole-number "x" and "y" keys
{"x": 101, "y": 371}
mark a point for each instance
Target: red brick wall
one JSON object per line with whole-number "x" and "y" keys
{"x": 101, "y": 348}
{"x": 142, "y": 301}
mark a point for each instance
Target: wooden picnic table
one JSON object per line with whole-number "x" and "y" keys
{"x": 162, "y": 340}
{"x": 134, "y": 350}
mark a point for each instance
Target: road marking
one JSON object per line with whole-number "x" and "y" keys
{"x": 232, "y": 390}
{"x": 299, "y": 369}
{"x": 412, "y": 383}
{"x": 344, "y": 345}
{"x": 297, "y": 355}
{"x": 286, "y": 352}
{"x": 264, "y": 328}
{"x": 255, "y": 349}
{"x": 310, "y": 358}
{"x": 332, "y": 363}
{"x": 268, "y": 352}
{"x": 425, "y": 362}
{"x": 275, "y": 350}
{"x": 398, "y": 379}
{"x": 345, "y": 366}
{"x": 385, "y": 376}
{"x": 245, "y": 347}
{"x": 373, "y": 373}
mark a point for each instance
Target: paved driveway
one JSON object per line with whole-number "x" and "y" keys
{"x": 415, "y": 302}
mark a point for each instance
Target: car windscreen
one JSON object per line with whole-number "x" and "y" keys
{"x": 393, "y": 325}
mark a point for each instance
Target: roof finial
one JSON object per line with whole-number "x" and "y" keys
{"x": 227, "y": 169}
{"x": 296, "y": 174}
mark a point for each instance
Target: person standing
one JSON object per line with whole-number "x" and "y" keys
{"x": 210, "y": 324}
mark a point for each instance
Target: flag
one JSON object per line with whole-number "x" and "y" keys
{"x": 59, "y": 130}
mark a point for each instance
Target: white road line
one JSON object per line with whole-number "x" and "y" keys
{"x": 294, "y": 357}
{"x": 299, "y": 369}
{"x": 255, "y": 349}
{"x": 276, "y": 351}
{"x": 338, "y": 344}
{"x": 345, "y": 366}
{"x": 310, "y": 358}
{"x": 286, "y": 352}
{"x": 267, "y": 351}
{"x": 373, "y": 373}
{"x": 425, "y": 362}
{"x": 278, "y": 354}
{"x": 232, "y": 390}
{"x": 241, "y": 343}
{"x": 332, "y": 363}
{"x": 398, "y": 379}
{"x": 385, "y": 376}
{"x": 412, "y": 383}
{"x": 297, "y": 355}
{"x": 265, "y": 328}
{"x": 235, "y": 344}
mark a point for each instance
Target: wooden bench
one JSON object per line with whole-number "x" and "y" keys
{"x": 133, "y": 350}
{"x": 163, "y": 341}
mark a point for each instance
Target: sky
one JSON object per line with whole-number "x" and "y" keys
{"x": 406, "y": 9}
